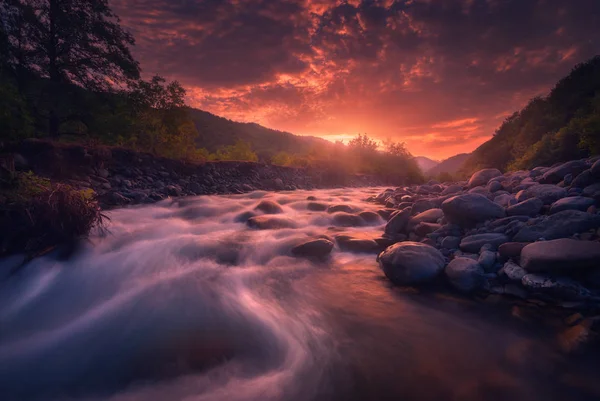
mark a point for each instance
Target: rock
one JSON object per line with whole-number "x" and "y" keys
{"x": 357, "y": 245}
{"x": 470, "y": 209}
{"x": 494, "y": 186}
{"x": 423, "y": 205}
{"x": 559, "y": 225}
{"x": 270, "y": 222}
{"x": 196, "y": 188}
{"x": 571, "y": 203}
{"x": 21, "y": 163}
{"x": 505, "y": 200}
{"x": 452, "y": 189}
{"x": 398, "y": 223}
{"x": 243, "y": 217}
{"x": 559, "y": 287}
{"x": 473, "y": 243}
{"x": 511, "y": 250}
{"x": 278, "y": 184}
{"x": 564, "y": 255}
{"x": 422, "y": 229}
{"x": 590, "y": 190}
{"x": 173, "y": 190}
{"x": 318, "y": 248}
{"x": 269, "y": 207}
{"x": 451, "y": 242}
{"x": 428, "y": 216}
{"x": 340, "y": 208}
{"x": 530, "y": 207}
{"x": 407, "y": 263}
{"x": 116, "y": 199}
{"x": 483, "y": 176}
{"x": 370, "y": 217}
{"x": 584, "y": 179}
{"x": 547, "y": 193}
{"x": 316, "y": 206}
{"x": 102, "y": 172}
{"x": 343, "y": 219}
{"x": 595, "y": 170}
{"x": 247, "y": 188}
{"x": 487, "y": 260}
{"x": 557, "y": 174}
{"x": 513, "y": 271}
{"x": 465, "y": 274}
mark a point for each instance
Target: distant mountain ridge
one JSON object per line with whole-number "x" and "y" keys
{"x": 215, "y": 132}
{"x": 451, "y": 165}
{"x": 425, "y": 163}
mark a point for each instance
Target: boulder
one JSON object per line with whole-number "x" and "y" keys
{"x": 340, "y": 208}
{"x": 530, "y": 207}
{"x": 505, "y": 200}
{"x": 563, "y": 255}
{"x": 269, "y": 207}
{"x": 370, "y": 217}
{"x": 452, "y": 189}
{"x": 483, "y": 176}
{"x": 487, "y": 260}
{"x": 450, "y": 242}
{"x": 398, "y": 223}
{"x": 343, "y": 219}
{"x": 558, "y": 173}
{"x": 511, "y": 250}
{"x": 494, "y": 186}
{"x": 470, "y": 209}
{"x": 422, "y": 229}
{"x": 473, "y": 243}
{"x": 407, "y": 263}
{"x": 316, "y": 206}
{"x": 591, "y": 190}
{"x": 465, "y": 274}
{"x": 595, "y": 170}
{"x": 584, "y": 179}
{"x": 559, "y": 225}
{"x": 547, "y": 193}
{"x": 270, "y": 222}
{"x": 428, "y": 216}
{"x": 572, "y": 203}
{"x": 513, "y": 271}
{"x": 318, "y": 248}
{"x": 357, "y": 245}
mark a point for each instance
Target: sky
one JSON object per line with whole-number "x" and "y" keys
{"x": 439, "y": 75}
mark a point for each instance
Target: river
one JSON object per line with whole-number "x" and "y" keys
{"x": 181, "y": 301}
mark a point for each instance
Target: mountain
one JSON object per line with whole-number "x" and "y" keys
{"x": 451, "y": 165}
{"x": 425, "y": 163}
{"x": 562, "y": 126}
{"x": 215, "y": 132}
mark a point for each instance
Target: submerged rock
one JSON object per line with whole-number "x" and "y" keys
{"x": 340, "y": 208}
{"x": 269, "y": 207}
{"x": 407, "y": 263}
{"x": 270, "y": 222}
{"x": 318, "y": 248}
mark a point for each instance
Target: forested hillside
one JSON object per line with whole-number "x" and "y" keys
{"x": 562, "y": 126}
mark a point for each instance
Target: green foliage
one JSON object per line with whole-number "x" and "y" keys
{"x": 241, "y": 151}
{"x": 15, "y": 119}
{"x": 562, "y": 126}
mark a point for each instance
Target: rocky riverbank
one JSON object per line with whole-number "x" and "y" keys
{"x": 123, "y": 177}
{"x": 531, "y": 235}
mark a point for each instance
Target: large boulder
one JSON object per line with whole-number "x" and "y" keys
{"x": 556, "y": 287}
{"x": 557, "y": 174}
{"x": 473, "y": 243}
{"x": 559, "y": 225}
{"x": 595, "y": 170}
{"x": 270, "y": 222}
{"x": 269, "y": 207}
{"x": 357, "y": 245}
{"x": 465, "y": 274}
{"x": 317, "y": 248}
{"x": 407, "y": 263}
{"x": 398, "y": 223}
{"x": 483, "y": 176}
{"x": 428, "y": 216}
{"x": 572, "y": 203}
{"x": 547, "y": 193}
{"x": 584, "y": 179}
{"x": 470, "y": 209}
{"x": 342, "y": 219}
{"x": 564, "y": 255}
{"x": 529, "y": 207}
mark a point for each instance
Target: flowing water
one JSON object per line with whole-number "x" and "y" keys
{"x": 180, "y": 301}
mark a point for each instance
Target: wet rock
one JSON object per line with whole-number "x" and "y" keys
{"x": 173, "y": 190}
{"x": 311, "y": 198}
{"x": 558, "y": 287}
{"x": 529, "y": 207}
{"x": 270, "y": 222}
{"x": 316, "y": 206}
{"x": 370, "y": 217}
{"x": 318, "y": 248}
{"x": 547, "y": 193}
{"x": 398, "y": 223}
{"x": 483, "y": 176}
{"x": 278, "y": 184}
{"x": 357, "y": 245}
{"x": 340, "y": 208}
{"x": 465, "y": 274}
{"x": 470, "y": 209}
{"x": 559, "y": 225}
{"x": 571, "y": 203}
{"x": 407, "y": 263}
{"x": 564, "y": 255}
{"x": 343, "y": 219}
{"x": 269, "y": 207}
{"x": 244, "y": 217}
{"x": 473, "y": 243}
{"x": 557, "y": 174}
{"x": 386, "y": 213}
{"x": 513, "y": 271}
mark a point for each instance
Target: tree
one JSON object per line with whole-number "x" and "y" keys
{"x": 70, "y": 42}
{"x": 241, "y": 151}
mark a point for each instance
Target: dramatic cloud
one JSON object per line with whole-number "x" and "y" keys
{"x": 440, "y": 75}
